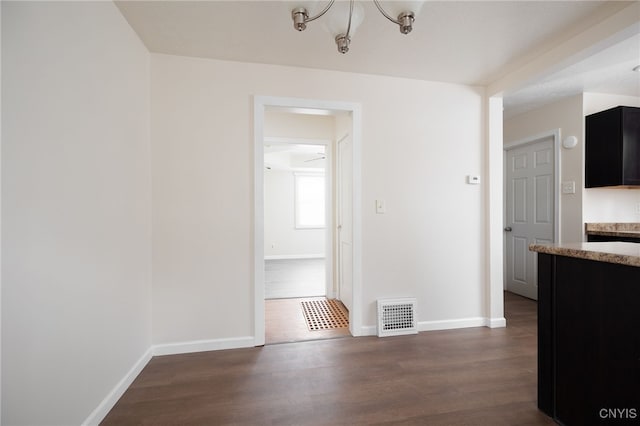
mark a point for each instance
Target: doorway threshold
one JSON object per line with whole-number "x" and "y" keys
{"x": 285, "y": 322}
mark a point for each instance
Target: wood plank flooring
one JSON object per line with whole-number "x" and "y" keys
{"x": 475, "y": 376}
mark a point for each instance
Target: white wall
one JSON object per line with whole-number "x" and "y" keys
{"x": 610, "y": 204}
{"x": 75, "y": 208}
{"x": 567, "y": 116}
{"x": 304, "y": 126}
{"x": 420, "y": 140}
{"x": 281, "y": 238}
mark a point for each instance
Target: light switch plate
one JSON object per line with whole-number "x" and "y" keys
{"x": 473, "y": 179}
{"x": 381, "y": 207}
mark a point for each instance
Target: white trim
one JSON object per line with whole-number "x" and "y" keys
{"x": 294, "y": 256}
{"x": 203, "y": 346}
{"x": 258, "y": 220}
{"x": 493, "y": 208}
{"x": 116, "y": 393}
{"x": 355, "y": 315}
{"x": 451, "y": 324}
{"x": 260, "y": 103}
{"x": 368, "y": 330}
{"x": 496, "y": 322}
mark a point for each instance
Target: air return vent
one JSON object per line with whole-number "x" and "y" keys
{"x": 396, "y": 317}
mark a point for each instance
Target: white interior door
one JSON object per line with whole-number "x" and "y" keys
{"x": 530, "y": 211}
{"x": 345, "y": 221}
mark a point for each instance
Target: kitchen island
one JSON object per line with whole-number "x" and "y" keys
{"x": 589, "y": 332}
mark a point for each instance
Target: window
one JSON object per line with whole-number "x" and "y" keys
{"x": 309, "y": 200}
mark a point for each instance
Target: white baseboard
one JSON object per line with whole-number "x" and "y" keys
{"x": 368, "y": 330}
{"x": 371, "y": 330}
{"x": 110, "y": 400}
{"x": 496, "y": 322}
{"x": 203, "y": 346}
{"x": 166, "y": 349}
{"x": 452, "y": 324}
{"x": 294, "y": 256}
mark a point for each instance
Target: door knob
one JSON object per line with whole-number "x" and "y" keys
{"x": 508, "y": 229}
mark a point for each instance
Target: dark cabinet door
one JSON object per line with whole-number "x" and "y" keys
{"x": 597, "y": 343}
{"x": 577, "y": 327}
{"x": 631, "y": 146}
{"x": 612, "y": 148}
{"x": 606, "y": 238}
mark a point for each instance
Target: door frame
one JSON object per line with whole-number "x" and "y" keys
{"x": 260, "y": 103}
{"x": 339, "y": 281}
{"x": 530, "y": 140}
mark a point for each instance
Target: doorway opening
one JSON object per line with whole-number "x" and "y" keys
{"x": 298, "y": 200}
{"x": 532, "y": 173}
{"x": 301, "y": 279}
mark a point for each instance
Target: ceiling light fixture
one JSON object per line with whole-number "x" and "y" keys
{"x": 342, "y": 29}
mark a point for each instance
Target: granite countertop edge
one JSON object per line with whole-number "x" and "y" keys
{"x": 592, "y": 251}
{"x": 625, "y": 229}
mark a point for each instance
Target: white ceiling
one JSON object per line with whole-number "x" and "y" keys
{"x": 295, "y": 157}
{"x": 470, "y": 42}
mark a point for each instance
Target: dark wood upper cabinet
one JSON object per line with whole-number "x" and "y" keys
{"x": 612, "y": 149}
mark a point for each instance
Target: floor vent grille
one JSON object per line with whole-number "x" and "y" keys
{"x": 396, "y": 317}
{"x": 325, "y": 314}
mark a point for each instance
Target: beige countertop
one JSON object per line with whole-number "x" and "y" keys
{"x": 630, "y": 230}
{"x": 610, "y": 252}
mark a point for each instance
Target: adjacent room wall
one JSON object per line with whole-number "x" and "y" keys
{"x": 420, "y": 140}
{"x": 278, "y": 124}
{"x": 565, "y": 115}
{"x": 281, "y": 238}
{"x": 610, "y": 204}
{"x": 75, "y": 208}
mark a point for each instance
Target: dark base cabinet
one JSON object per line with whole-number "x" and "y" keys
{"x": 606, "y": 238}
{"x": 588, "y": 341}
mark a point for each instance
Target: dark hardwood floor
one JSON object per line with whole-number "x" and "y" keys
{"x": 474, "y": 376}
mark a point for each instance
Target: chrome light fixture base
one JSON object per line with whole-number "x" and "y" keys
{"x": 342, "y": 41}
{"x": 300, "y": 17}
{"x": 405, "y": 22}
